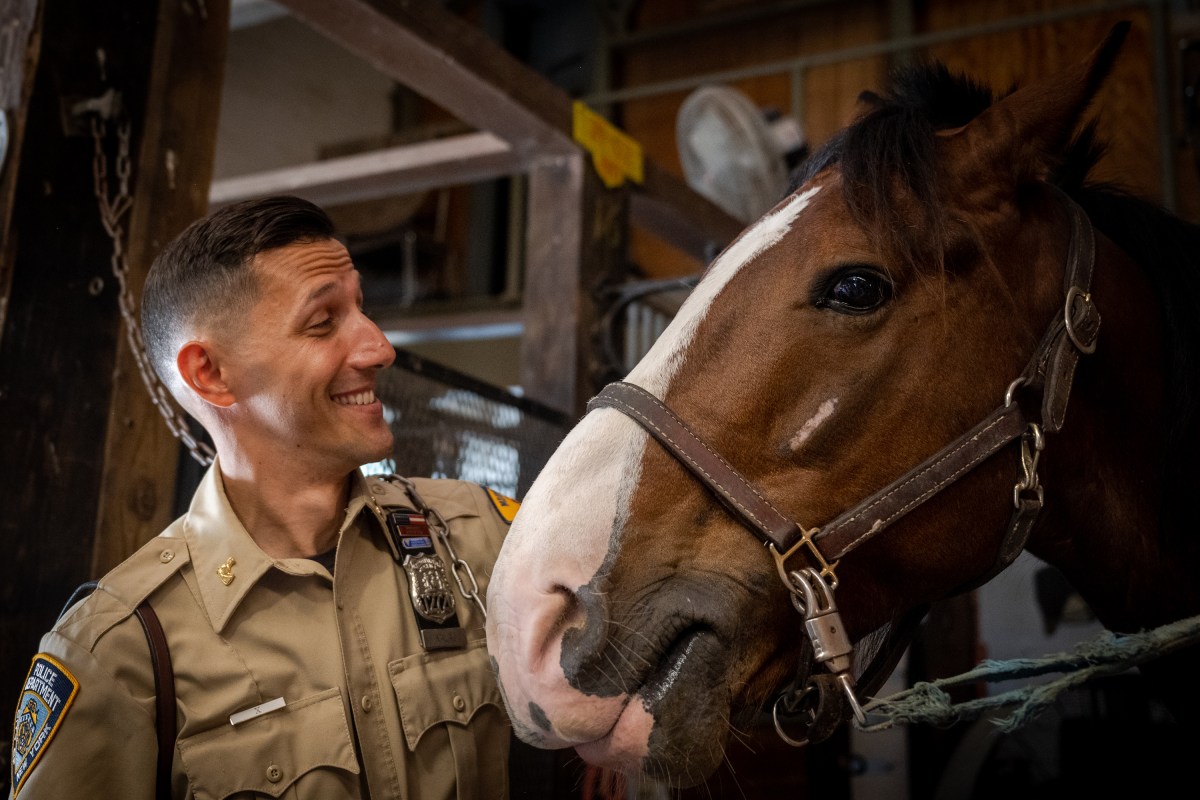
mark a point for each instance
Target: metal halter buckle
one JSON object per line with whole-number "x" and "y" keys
{"x": 1073, "y": 293}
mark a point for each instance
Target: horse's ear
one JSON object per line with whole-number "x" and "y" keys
{"x": 1033, "y": 126}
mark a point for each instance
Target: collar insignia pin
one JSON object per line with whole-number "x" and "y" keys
{"x": 225, "y": 571}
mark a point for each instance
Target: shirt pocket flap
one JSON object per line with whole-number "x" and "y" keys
{"x": 442, "y": 687}
{"x": 268, "y": 754}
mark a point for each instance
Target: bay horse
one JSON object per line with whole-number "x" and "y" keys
{"x": 875, "y": 398}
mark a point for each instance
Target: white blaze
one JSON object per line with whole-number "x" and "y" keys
{"x": 655, "y": 371}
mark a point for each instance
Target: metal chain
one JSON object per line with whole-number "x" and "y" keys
{"x": 458, "y": 567}
{"x": 112, "y": 209}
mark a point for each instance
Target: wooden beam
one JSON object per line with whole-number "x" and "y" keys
{"x": 451, "y": 62}
{"x": 667, "y": 207}
{"x": 468, "y": 158}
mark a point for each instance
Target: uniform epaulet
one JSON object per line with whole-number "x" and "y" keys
{"x": 504, "y": 505}
{"x": 119, "y": 592}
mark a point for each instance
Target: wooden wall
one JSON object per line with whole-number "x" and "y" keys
{"x": 1127, "y": 105}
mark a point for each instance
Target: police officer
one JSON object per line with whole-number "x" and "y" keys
{"x": 319, "y": 645}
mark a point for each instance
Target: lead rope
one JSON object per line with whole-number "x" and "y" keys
{"x": 112, "y": 210}
{"x": 1108, "y": 654}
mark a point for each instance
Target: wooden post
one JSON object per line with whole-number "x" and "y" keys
{"x": 78, "y": 433}
{"x": 173, "y": 173}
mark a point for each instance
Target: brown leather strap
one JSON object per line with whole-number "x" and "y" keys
{"x": 164, "y": 692}
{"x": 877, "y": 512}
{"x": 734, "y": 491}
{"x": 1074, "y": 331}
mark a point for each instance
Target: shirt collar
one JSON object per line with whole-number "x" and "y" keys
{"x": 227, "y": 561}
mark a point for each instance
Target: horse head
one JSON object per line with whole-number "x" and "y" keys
{"x": 915, "y": 284}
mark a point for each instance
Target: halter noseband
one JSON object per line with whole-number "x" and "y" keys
{"x": 1047, "y": 376}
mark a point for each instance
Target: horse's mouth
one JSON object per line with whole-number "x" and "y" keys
{"x": 674, "y": 709}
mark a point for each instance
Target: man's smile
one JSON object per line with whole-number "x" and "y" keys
{"x": 360, "y": 397}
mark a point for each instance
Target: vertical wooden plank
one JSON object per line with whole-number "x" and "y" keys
{"x": 551, "y": 299}
{"x": 575, "y": 238}
{"x": 172, "y": 176}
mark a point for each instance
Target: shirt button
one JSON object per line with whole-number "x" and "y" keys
{"x": 274, "y": 773}
{"x": 166, "y": 555}
{"x": 459, "y": 703}
{"x": 366, "y": 703}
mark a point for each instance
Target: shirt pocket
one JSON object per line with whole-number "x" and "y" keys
{"x": 305, "y": 744}
{"x": 445, "y": 687}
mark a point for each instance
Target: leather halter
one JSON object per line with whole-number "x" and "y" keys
{"x": 1044, "y": 386}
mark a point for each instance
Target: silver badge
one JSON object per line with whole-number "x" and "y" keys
{"x": 430, "y": 587}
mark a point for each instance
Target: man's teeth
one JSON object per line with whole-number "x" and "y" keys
{"x": 356, "y": 399}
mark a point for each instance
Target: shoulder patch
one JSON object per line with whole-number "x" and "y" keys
{"x": 49, "y": 690}
{"x": 505, "y": 506}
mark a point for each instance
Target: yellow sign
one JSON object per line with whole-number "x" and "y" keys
{"x": 616, "y": 155}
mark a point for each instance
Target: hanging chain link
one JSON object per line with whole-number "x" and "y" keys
{"x": 112, "y": 209}
{"x": 442, "y": 529}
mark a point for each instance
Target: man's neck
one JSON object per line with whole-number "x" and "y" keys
{"x": 286, "y": 515}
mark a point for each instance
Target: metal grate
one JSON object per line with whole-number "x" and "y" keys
{"x": 450, "y": 425}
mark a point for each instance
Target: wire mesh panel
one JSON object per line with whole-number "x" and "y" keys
{"x": 450, "y": 425}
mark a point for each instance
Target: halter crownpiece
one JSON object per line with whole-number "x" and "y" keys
{"x": 1046, "y": 380}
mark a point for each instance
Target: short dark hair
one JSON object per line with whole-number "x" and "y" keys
{"x": 204, "y": 272}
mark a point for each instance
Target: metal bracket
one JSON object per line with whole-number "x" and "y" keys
{"x": 806, "y": 540}
{"x": 75, "y": 111}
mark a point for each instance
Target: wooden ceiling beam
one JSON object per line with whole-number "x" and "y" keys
{"x": 454, "y": 160}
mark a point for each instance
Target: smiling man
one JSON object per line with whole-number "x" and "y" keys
{"x": 317, "y": 641}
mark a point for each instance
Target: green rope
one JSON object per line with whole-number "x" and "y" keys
{"x": 1108, "y": 654}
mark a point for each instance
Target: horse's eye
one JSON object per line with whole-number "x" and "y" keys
{"x": 856, "y": 291}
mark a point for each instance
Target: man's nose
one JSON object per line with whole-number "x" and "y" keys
{"x": 372, "y": 348}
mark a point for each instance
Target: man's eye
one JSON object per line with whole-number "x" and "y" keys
{"x": 321, "y": 324}
{"x": 856, "y": 291}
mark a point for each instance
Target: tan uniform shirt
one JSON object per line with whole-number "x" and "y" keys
{"x": 366, "y": 711}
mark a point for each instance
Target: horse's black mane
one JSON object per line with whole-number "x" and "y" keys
{"x": 894, "y": 140}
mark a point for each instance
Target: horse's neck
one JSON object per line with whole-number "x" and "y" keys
{"x": 1103, "y": 522}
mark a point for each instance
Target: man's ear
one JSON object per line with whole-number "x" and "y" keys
{"x": 201, "y": 371}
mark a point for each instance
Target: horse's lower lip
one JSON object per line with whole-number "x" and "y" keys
{"x": 660, "y": 682}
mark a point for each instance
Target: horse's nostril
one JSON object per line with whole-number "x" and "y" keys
{"x": 572, "y": 612}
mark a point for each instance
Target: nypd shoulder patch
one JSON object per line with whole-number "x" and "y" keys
{"x": 505, "y": 506}
{"x": 49, "y": 691}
